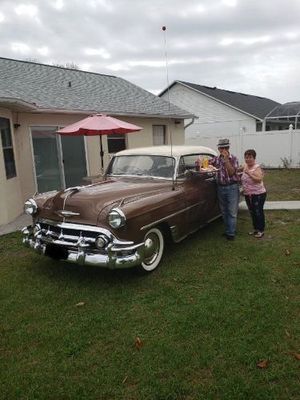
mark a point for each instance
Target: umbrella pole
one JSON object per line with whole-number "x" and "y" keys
{"x": 101, "y": 153}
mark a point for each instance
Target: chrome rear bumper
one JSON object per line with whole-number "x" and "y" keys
{"x": 76, "y": 244}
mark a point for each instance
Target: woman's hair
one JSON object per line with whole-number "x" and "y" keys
{"x": 250, "y": 152}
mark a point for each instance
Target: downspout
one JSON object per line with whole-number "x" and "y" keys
{"x": 190, "y": 123}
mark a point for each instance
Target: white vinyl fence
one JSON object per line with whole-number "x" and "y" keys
{"x": 273, "y": 148}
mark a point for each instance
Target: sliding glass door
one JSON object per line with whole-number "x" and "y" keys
{"x": 73, "y": 159}
{"x": 59, "y": 160}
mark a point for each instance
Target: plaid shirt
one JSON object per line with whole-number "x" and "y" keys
{"x": 222, "y": 175}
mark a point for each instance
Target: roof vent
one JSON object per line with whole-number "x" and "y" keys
{"x": 70, "y": 84}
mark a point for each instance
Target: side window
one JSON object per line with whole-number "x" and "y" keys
{"x": 189, "y": 162}
{"x": 116, "y": 143}
{"x": 7, "y": 147}
{"x": 159, "y": 135}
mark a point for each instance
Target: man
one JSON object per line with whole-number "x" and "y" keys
{"x": 227, "y": 186}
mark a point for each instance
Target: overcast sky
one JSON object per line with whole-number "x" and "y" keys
{"x": 249, "y": 46}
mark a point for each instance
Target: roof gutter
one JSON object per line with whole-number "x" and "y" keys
{"x": 24, "y": 105}
{"x": 87, "y": 112}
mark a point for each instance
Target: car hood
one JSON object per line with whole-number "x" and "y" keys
{"x": 83, "y": 204}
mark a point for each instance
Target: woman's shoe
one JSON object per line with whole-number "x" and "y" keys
{"x": 252, "y": 233}
{"x": 259, "y": 235}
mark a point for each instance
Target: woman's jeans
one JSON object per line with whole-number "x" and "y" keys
{"x": 255, "y": 203}
{"x": 229, "y": 196}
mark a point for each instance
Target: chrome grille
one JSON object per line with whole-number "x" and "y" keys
{"x": 72, "y": 234}
{"x": 66, "y": 236}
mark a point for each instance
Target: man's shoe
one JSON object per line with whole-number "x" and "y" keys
{"x": 230, "y": 237}
{"x": 259, "y": 235}
{"x": 252, "y": 233}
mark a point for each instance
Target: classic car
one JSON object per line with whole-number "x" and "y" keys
{"x": 146, "y": 195}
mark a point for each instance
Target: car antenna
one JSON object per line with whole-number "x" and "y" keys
{"x": 164, "y": 29}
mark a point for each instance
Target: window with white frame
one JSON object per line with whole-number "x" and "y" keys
{"x": 159, "y": 135}
{"x": 116, "y": 143}
{"x": 7, "y": 147}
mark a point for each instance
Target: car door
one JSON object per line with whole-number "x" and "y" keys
{"x": 199, "y": 189}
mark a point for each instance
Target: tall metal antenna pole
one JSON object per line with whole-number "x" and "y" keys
{"x": 164, "y": 29}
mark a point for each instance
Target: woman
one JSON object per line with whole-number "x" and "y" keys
{"x": 255, "y": 192}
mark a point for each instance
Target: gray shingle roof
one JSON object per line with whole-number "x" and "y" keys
{"x": 256, "y": 106}
{"x": 290, "y": 109}
{"x": 58, "y": 89}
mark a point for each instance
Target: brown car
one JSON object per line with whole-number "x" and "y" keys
{"x": 147, "y": 194}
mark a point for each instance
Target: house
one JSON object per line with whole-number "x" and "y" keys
{"x": 248, "y": 121}
{"x": 219, "y": 112}
{"x": 38, "y": 99}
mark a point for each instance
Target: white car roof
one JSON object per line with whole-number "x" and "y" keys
{"x": 176, "y": 151}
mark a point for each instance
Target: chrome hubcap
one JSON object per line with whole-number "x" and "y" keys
{"x": 151, "y": 248}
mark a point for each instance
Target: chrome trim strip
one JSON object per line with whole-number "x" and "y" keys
{"x": 128, "y": 248}
{"x": 214, "y": 218}
{"x": 140, "y": 176}
{"x": 65, "y": 213}
{"x": 73, "y": 188}
{"x": 78, "y": 227}
{"x": 64, "y": 243}
{"x": 169, "y": 216}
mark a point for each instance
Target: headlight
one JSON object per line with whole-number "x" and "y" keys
{"x": 30, "y": 207}
{"x": 116, "y": 218}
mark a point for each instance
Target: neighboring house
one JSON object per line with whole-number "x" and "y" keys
{"x": 248, "y": 121}
{"x": 219, "y": 112}
{"x": 37, "y": 99}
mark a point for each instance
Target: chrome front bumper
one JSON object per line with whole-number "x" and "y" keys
{"x": 76, "y": 244}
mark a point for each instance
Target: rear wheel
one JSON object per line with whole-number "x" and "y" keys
{"x": 154, "y": 248}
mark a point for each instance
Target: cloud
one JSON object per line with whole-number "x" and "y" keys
{"x": 43, "y": 51}
{"x": 230, "y": 3}
{"x": 27, "y": 10}
{"x": 97, "y": 52}
{"x": 250, "y": 46}
{"x": 248, "y": 41}
{"x": 58, "y": 4}
{"x": 21, "y": 48}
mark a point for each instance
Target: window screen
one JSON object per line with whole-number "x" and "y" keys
{"x": 7, "y": 147}
{"x": 159, "y": 135}
{"x": 116, "y": 143}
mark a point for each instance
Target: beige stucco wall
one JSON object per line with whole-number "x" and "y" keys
{"x": 11, "y": 200}
{"x": 144, "y": 137}
{"x": 20, "y": 188}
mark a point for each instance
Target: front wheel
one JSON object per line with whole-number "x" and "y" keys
{"x": 154, "y": 248}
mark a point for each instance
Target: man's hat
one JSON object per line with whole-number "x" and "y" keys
{"x": 223, "y": 143}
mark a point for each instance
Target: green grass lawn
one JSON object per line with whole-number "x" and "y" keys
{"x": 283, "y": 184}
{"x": 205, "y": 319}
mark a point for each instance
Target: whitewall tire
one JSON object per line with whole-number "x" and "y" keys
{"x": 154, "y": 248}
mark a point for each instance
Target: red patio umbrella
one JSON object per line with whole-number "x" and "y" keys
{"x": 98, "y": 125}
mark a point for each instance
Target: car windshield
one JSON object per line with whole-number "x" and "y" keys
{"x": 142, "y": 165}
